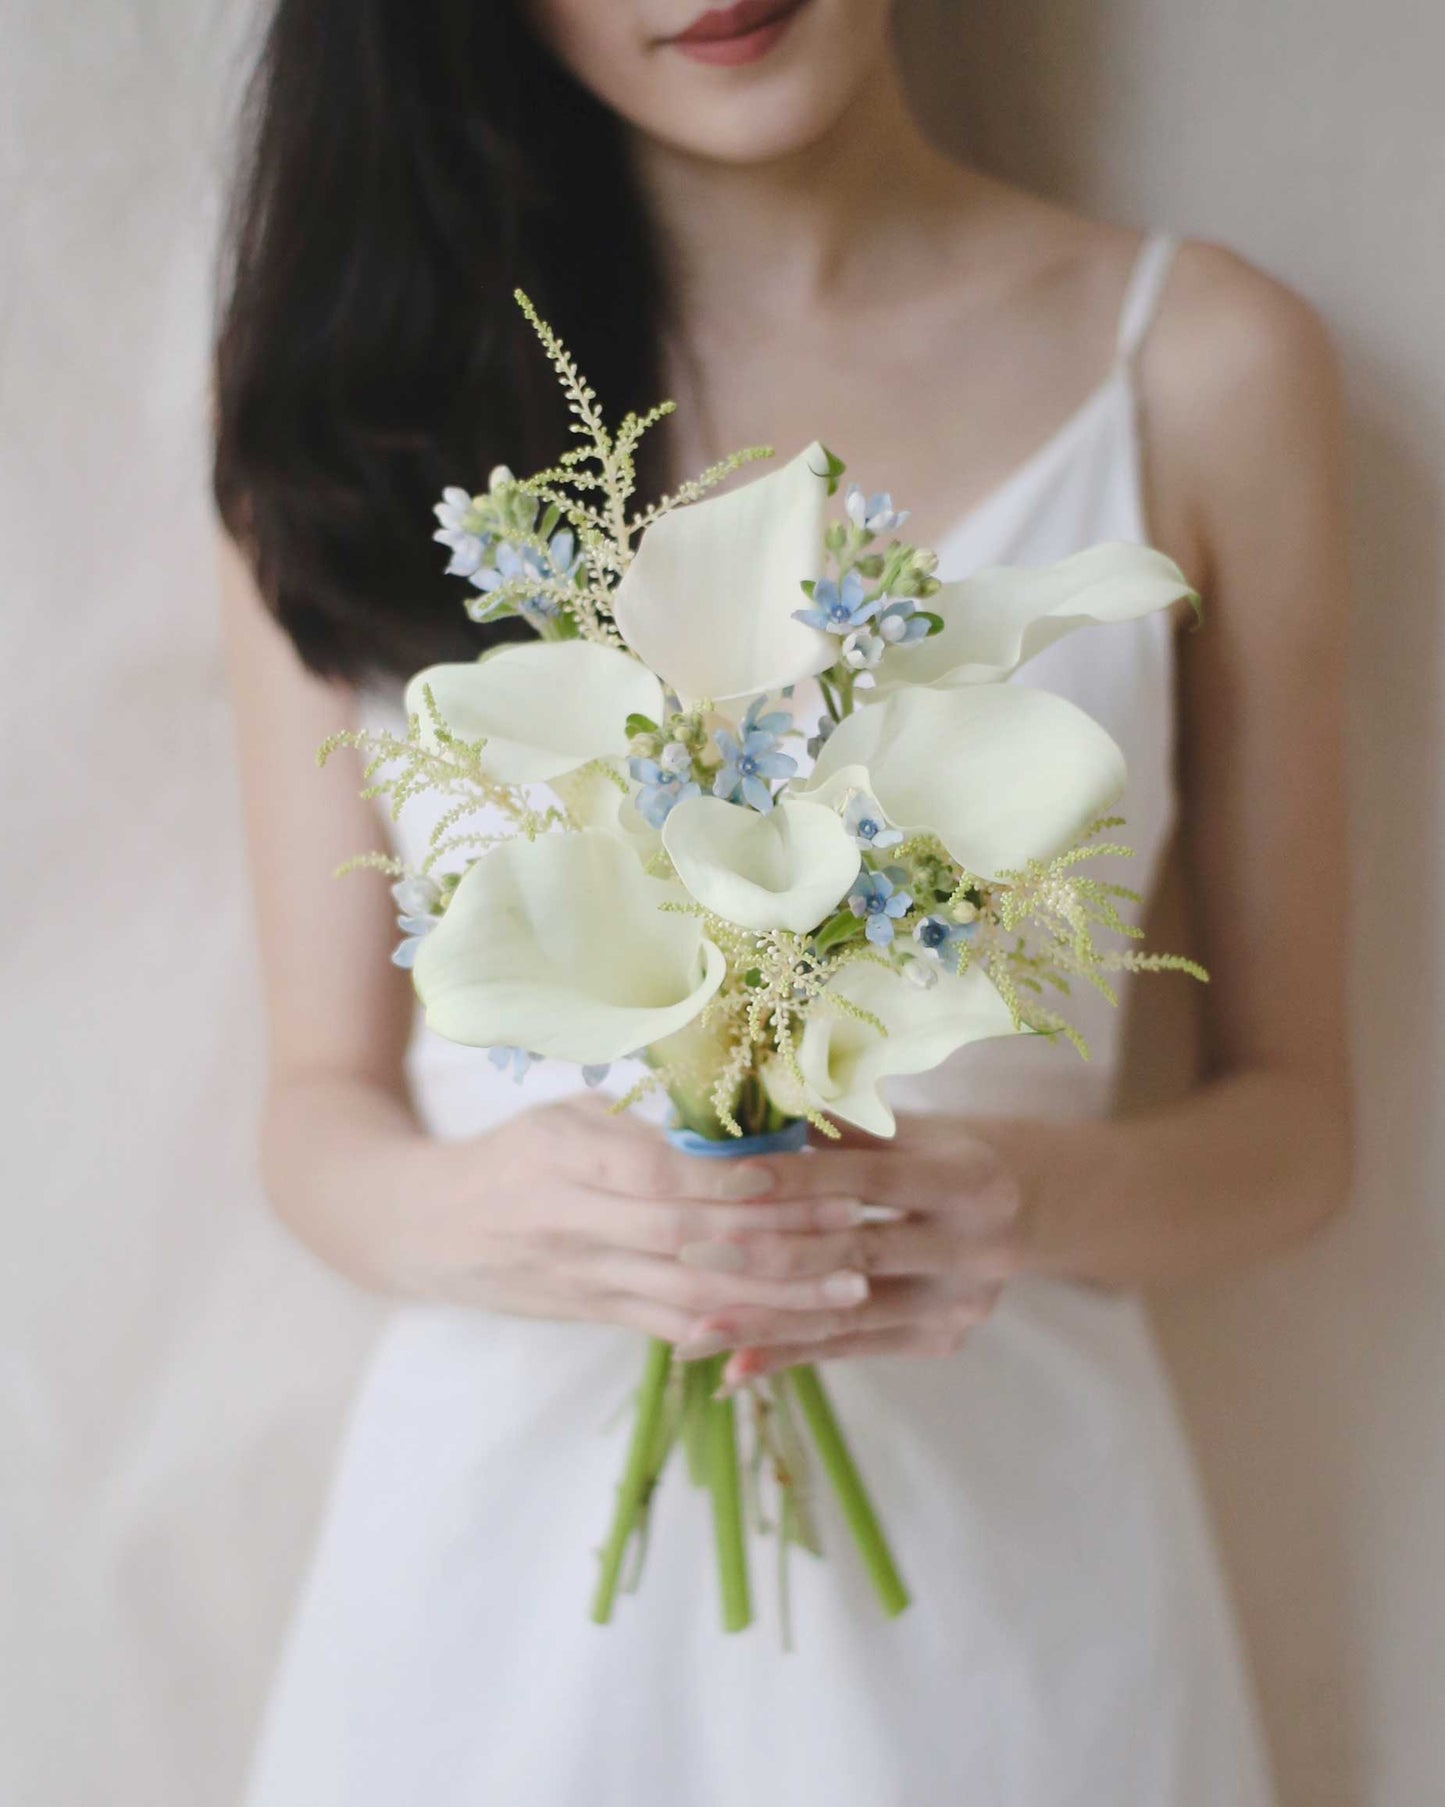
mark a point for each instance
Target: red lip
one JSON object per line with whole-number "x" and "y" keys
{"x": 732, "y": 35}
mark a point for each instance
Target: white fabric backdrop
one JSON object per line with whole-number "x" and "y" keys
{"x": 172, "y": 1373}
{"x": 172, "y": 1370}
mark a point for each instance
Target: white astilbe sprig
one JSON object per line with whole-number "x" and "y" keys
{"x": 592, "y": 485}
{"x": 1036, "y": 930}
{"x": 775, "y": 978}
{"x": 429, "y": 761}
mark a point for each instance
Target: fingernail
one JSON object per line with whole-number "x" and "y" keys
{"x": 845, "y": 1288}
{"x": 743, "y": 1182}
{"x": 841, "y": 1214}
{"x": 699, "y": 1344}
{"x": 882, "y": 1214}
{"x": 716, "y": 1257}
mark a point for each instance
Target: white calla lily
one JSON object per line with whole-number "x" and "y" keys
{"x": 1000, "y": 617}
{"x": 844, "y": 1060}
{"x": 1000, "y": 774}
{"x": 543, "y": 707}
{"x": 784, "y": 870}
{"x": 708, "y": 599}
{"x": 559, "y": 946}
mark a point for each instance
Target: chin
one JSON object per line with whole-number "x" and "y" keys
{"x": 750, "y": 97}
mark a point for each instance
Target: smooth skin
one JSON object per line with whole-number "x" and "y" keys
{"x": 834, "y": 276}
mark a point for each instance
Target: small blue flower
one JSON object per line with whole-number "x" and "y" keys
{"x": 529, "y": 565}
{"x": 875, "y": 513}
{"x": 468, "y": 549}
{"x": 819, "y": 738}
{"x": 863, "y": 652}
{"x": 875, "y": 898}
{"x": 453, "y": 509}
{"x": 761, "y": 720}
{"x": 837, "y": 608}
{"x": 518, "y": 1059}
{"x": 940, "y": 936}
{"x": 900, "y": 624}
{"x": 752, "y": 758}
{"x": 662, "y": 790}
{"x": 415, "y": 899}
{"x": 868, "y": 825}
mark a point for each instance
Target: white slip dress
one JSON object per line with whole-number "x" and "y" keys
{"x": 1070, "y": 1643}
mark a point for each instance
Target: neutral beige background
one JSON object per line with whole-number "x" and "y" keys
{"x": 172, "y": 1374}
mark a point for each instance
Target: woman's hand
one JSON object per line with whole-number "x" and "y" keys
{"x": 569, "y": 1212}
{"x": 942, "y": 1231}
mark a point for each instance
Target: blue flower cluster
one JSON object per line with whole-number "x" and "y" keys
{"x": 751, "y": 758}
{"x": 897, "y": 624}
{"x": 467, "y": 548}
{"x": 666, "y": 781}
{"x": 527, "y": 565}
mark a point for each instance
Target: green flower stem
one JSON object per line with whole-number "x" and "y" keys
{"x": 638, "y": 1477}
{"x": 725, "y": 1483}
{"x": 852, "y": 1496}
{"x": 700, "y": 1380}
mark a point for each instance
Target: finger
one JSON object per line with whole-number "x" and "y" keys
{"x": 630, "y": 1159}
{"x": 917, "y": 1340}
{"x": 667, "y": 1226}
{"x": 885, "y": 1249}
{"x": 646, "y": 1316}
{"x": 888, "y": 1175}
{"x": 892, "y": 1304}
{"x": 700, "y": 1293}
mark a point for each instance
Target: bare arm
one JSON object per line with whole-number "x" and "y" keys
{"x": 1249, "y": 427}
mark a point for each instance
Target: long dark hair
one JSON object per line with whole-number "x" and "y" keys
{"x": 406, "y": 165}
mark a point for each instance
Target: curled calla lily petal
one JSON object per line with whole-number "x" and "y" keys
{"x": 708, "y": 599}
{"x": 559, "y": 946}
{"x": 1000, "y": 617}
{"x": 785, "y": 870}
{"x": 544, "y": 707}
{"x": 844, "y": 1060}
{"x": 1000, "y": 774}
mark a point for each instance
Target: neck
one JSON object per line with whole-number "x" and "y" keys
{"x": 803, "y": 230}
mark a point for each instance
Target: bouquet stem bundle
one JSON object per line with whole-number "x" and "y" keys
{"x": 679, "y": 1402}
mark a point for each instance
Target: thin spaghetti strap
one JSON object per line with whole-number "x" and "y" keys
{"x": 1146, "y": 285}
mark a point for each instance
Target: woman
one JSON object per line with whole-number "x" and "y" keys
{"x": 737, "y": 208}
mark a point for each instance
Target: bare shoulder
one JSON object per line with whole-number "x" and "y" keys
{"x": 1238, "y": 363}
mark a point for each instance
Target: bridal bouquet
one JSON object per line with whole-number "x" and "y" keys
{"x": 757, "y": 811}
